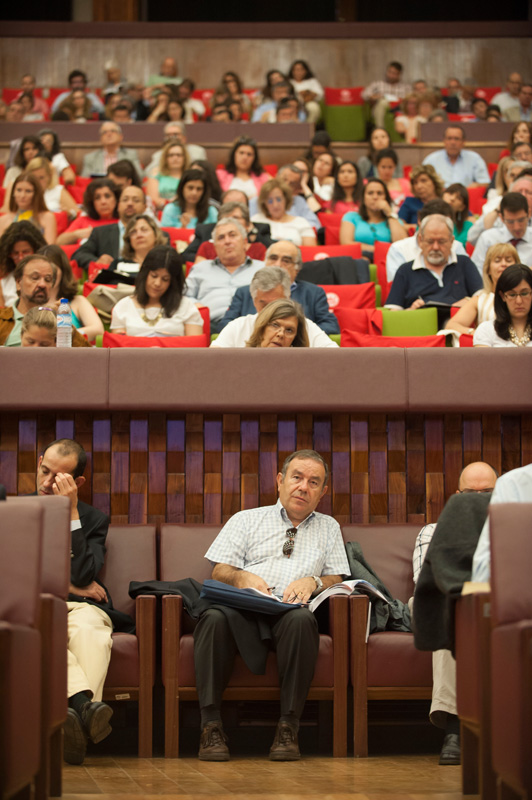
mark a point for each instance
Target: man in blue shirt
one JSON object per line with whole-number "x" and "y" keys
{"x": 435, "y": 274}
{"x": 456, "y": 165}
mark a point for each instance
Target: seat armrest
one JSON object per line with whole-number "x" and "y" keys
{"x": 145, "y": 608}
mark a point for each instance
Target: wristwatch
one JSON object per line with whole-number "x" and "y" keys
{"x": 319, "y": 583}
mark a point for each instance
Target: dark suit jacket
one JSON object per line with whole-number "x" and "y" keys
{"x": 105, "y": 239}
{"x": 204, "y": 234}
{"x": 88, "y": 555}
{"x": 336, "y": 269}
{"x": 102, "y": 241}
{"x": 311, "y": 297}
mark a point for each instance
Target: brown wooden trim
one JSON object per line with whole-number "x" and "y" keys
{"x": 267, "y": 30}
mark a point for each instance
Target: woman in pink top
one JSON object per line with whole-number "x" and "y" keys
{"x": 386, "y": 163}
{"x": 243, "y": 170}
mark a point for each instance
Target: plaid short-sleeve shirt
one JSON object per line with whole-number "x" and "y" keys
{"x": 253, "y": 540}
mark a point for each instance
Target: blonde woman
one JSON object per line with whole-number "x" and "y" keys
{"x": 480, "y": 307}
{"x": 39, "y": 328}
{"x": 162, "y": 187}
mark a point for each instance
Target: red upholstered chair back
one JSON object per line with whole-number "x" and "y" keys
{"x": 55, "y": 562}
{"x": 511, "y": 557}
{"x": 183, "y": 549}
{"x": 360, "y": 295}
{"x": 20, "y": 564}
{"x": 388, "y": 549}
{"x": 131, "y": 556}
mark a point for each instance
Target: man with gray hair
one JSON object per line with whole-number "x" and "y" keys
{"x": 175, "y": 132}
{"x": 213, "y": 283}
{"x": 267, "y": 285}
{"x": 435, "y": 275}
{"x": 96, "y": 163}
{"x": 311, "y": 297}
{"x": 258, "y": 233}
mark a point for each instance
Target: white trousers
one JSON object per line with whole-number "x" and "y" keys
{"x": 443, "y": 687}
{"x": 89, "y": 649}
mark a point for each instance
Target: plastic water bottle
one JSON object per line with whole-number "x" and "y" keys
{"x": 64, "y": 324}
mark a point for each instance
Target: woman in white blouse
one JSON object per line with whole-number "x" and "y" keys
{"x": 308, "y": 90}
{"x": 512, "y": 326}
{"x": 158, "y": 307}
{"x": 274, "y": 198}
{"x": 479, "y": 308}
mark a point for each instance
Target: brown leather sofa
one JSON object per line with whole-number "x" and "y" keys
{"x": 182, "y": 550}
{"x": 131, "y": 556}
{"x": 55, "y": 581}
{"x": 511, "y": 647}
{"x": 20, "y": 647}
{"x": 473, "y": 669}
{"x": 387, "y": 666}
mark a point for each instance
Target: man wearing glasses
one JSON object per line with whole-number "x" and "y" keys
{"x": 476, "y": 477}
{"x": 287, "y": 255}
{"x": 515, "y": 230}
{"x": 288, "y": 550}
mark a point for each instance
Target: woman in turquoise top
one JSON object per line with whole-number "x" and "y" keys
{"x": 374, "y": 221}
{"x": 162, "y": 186}
{"x": 84, "y": 316}
{"x": 192, "y": 203}
{"x": 458, "y": 198}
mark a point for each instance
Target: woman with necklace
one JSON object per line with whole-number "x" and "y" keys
{"x": 158, "y": 307}
{"x": 375, "y": 221}
{"x": 512, "y": 326}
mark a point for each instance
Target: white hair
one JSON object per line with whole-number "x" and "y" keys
{"x": 437, "y": 218}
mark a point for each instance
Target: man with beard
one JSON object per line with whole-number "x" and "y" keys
{"x": 35, "y": 276}
{"x": 435, "y": 275}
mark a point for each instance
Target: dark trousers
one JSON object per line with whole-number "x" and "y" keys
{"x": 295, "y": 639}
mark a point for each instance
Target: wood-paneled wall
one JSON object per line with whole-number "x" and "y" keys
{"x": 335, "y": 62}
{"x": 151, "y": 467}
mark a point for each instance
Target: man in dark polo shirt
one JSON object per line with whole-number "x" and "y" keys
{"x": 434, "y": 275}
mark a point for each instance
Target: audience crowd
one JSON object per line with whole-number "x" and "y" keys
{"x": 153, "y": 245}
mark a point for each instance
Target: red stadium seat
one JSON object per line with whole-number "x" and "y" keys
{"x": 349, "y": 96}
{"x": 179, "y": 235}
{"x": 476, "y": 199}
{"x": 317, "y": 252}
{"x": 361, "y": 320}
{"x": 69, "y": 249}
{"x": 61, "y": 220}
{"x": 356, "y": 339}
{"x": 360, "y": 295}
{"x": 120, "y": 340}
{"x": 379, "y": 257}
{"x": 329, "y": 220}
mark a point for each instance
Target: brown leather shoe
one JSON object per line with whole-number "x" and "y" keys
{"x": 213, "y": 743}
{"x": 285, "y": 746}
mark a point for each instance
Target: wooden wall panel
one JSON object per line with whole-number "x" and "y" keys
{"x": 151, "y": 467}
{"x": 356, "y": 61}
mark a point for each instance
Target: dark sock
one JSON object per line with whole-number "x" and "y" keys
{"x": 290, "y": 719}
{"x": 210, "y": 714}
{"x": 77, "y": 701}
{"x": 453, "y": 724}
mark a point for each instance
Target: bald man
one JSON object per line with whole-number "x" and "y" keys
{"x": 476, "y": 477}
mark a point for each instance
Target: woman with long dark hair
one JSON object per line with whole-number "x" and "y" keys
{"x": 347, "y": 190}
{"x": 191, "y": 206}
{"x": 243, "y": 170}
{"x": 100, "y": 203}
{"x": 30, "y": 147}
{"x": 374, "y": 222}
{"x": 512, "y": 326}
{"x": 458, "y": 198}
{"x": 159, "y": 306}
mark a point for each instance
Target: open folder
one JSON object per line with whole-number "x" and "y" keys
{"x": 246, "y": 599}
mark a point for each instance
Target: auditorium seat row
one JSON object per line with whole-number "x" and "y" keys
{"x": 205, "y": 380}
{"x": 494, "y": 664}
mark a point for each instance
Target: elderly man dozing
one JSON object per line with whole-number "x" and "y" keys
{"x": 267, "y": 285}
{"x": 213, "y": 283}
{"x": 312, "y": 298}
{"x": 434, "y": 274}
